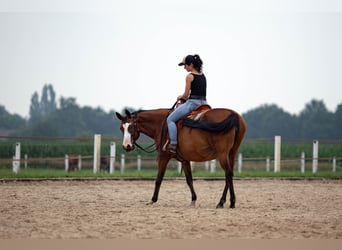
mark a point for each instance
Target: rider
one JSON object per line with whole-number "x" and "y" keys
{"x": 194, "y": 95}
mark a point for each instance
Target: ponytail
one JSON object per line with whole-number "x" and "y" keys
{"x": 197, "y": 62}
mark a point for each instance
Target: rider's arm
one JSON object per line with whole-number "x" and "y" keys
{"x": 189, "y": 78}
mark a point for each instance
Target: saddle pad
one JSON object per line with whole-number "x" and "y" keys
{"x": 198, "y": 112}
{"x": 195, "y": 115}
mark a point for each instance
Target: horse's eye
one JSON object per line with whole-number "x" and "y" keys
{"x": 130, "y": 129}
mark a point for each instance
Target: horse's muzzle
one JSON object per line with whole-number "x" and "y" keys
{"x": 128, "y": 148}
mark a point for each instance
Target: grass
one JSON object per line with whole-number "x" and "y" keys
{"x": 59, "y": 173}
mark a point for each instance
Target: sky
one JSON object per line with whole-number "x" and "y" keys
{"x": 116, "y": 54}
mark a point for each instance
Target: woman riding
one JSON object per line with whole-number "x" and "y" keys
{"x": 194, "y": 95}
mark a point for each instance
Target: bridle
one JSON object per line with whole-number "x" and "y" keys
{"x": 136, "y": 131}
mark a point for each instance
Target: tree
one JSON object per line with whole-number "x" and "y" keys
{"x": 45, "y": 106}
{"x": 48, "y": 102}
{"x": 316, "y": 121}
{"x": 98, "y": 121}
{"x": 65, "y": 103}
{"x": 34, "y": 107}
{"x": 9, "y": 121}
{"x": 270, "y": 120}
{"x": 338, "y": 122}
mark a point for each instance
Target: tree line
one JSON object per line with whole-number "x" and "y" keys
{"x": 69, "y": 119}
{"x": 313, "y": 122}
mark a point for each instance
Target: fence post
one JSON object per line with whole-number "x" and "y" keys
{"x": 240, "y": 162}
{"x": 302, "y": 163}
{"x": 66, "y": 163}
{"x": 25, "y": 162}
{"x": 79, "y": 162}
{"x": 277, "y": 153}
{"x": 192, "y": 165}
{"x": 315, "y": 157}
{"x": 97, "y": 153}
{"x": 112, "y": 157}
{"x": 212, "y": 166}
{"x": 268, "y": 164}
{"x": 16, "y": 159}
{"x": 334, "y": 164}
{"x": 206, "y": 166}
{"x": 139, "y": 162}
{"x": 122, "y": 166}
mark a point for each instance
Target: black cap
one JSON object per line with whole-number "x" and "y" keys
{"x": 186, "y": 60}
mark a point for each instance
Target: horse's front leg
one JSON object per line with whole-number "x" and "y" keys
{"x": 188, "y": 175}
{"x": 162, "y": 163}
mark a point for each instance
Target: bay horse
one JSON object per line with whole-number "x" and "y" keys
{"x": 217, "y": 135}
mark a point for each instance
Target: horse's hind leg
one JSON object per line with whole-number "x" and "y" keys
{"x": 228, "y": 184}
{"x": 188, "y": 175}
{"x": 231, "y": 187}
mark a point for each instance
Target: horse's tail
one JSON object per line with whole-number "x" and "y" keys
{"x": 240, "y": 130}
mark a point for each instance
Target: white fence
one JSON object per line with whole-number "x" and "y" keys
{"x": 72, "y": 161}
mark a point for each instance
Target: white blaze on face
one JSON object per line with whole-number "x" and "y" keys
{"x": 126, "y": 136}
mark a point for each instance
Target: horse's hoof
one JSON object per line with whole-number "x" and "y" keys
{"x": 219, "y": 205}
{"x": 193, "y": 204}
{"x": 150, "y": 203}
{"x": 232, "y": 206}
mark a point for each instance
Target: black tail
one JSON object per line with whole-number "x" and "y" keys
{"x": 227, "y": 124}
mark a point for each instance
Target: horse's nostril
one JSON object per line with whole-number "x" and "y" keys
{"x": 128, "y": 148}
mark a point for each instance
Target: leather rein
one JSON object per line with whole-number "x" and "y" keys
{"x": 135, "y": 128}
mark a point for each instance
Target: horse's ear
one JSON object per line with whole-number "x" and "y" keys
{"x": 128, "y": 113}
{"x": 119, "y": 116}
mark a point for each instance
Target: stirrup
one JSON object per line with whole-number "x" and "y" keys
{"x": 172, "y": 148}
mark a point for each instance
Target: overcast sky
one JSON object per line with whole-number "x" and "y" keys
{"x": 115, "y": 54}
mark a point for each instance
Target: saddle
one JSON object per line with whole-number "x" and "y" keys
{"x": 194, "y": 115}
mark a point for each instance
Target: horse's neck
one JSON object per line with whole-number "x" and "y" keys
{"x": 151, "y": 122}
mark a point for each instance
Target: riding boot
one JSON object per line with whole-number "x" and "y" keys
{"x": 172, "y": 148}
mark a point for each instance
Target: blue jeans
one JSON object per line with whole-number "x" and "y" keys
{"x": 178, "y": 113}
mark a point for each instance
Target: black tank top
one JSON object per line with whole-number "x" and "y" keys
{"x": 199, "y": 85}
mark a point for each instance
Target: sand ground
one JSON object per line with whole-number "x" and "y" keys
{"x": 116, "y": 209}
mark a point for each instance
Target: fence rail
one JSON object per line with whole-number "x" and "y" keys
{"x": 114, "y": 162}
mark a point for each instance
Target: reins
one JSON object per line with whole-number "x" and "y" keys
{"x": 146, "y": 150}
{"x": 135, "y": 143}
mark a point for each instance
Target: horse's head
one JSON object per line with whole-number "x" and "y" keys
{"x": 129, "y": 130}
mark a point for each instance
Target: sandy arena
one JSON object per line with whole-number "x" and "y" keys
{"x": 116, "y": 209}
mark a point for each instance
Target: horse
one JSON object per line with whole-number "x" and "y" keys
{"x": 216, "y": 135}
{"x": 72, "y": 162}
{"x": 105, "y": 162}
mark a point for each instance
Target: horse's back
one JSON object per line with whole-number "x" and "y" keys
{"x": 218, "y": 114}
